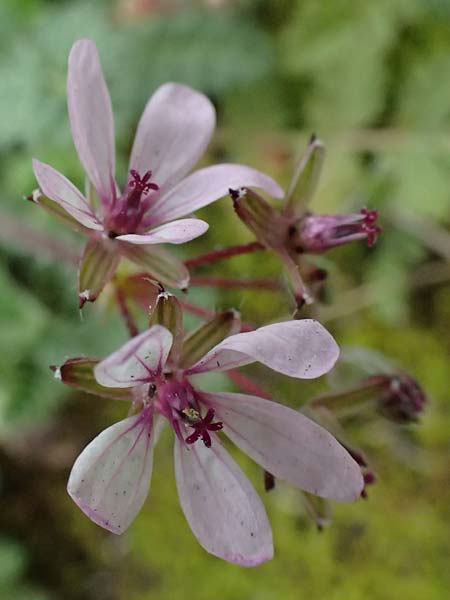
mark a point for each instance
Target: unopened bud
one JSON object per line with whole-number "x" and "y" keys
{"x": 402, "y": 400}
{"x": 314, "y": 234}
{"x": 398, "y": 397}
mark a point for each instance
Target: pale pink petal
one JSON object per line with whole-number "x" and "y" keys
{"x": 173, "y": 133}
{"x": 207, "y": 185}
{"x": 110, "y": 480}
{"x": 302, "y": 349}
{"x": 221, "y": 506}
{"x": 176, "y": 232}
{"x": 158, "y": 263}
{"x": 91, "y": 117}
{"x": 97, "y": 267}
{"x": 59, "y": 189}
{"x": 140, "y": 360}
{"x": 288, "y": 445}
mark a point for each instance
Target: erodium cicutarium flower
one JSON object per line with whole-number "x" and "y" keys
{"x": 172, "y": 135}
{"x": 111, "y": 478}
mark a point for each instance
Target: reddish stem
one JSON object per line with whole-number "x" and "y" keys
{"x": 125, "y": 312}
{"x": 235, "y": 282}
{"x": 206, "y": 259}
{"x": 247, "y": 384}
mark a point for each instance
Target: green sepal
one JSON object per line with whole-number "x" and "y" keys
{"x": 200, "y": 341}
{"x": 54, "y": 209}
{"x": 79, "y": 374}
{"x": 167, "y": 312}
{"x": 319, "y": 509}
{"x": 306, "y": 178}
{"x": 97, "y": 267}
{"x": 268, "y": 225}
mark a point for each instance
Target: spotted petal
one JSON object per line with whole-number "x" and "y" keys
{"x": 59, "y": 189}
{"x": 91, "y": 117}
{"x": 110, "y": 480}
{"x": 207, "y": 185}
{"x": 220, "y": 504}
{"x": 140, "y": 360}
{"x": 176, "y": 232}
{"x": 288, "y": 445}
{"x": 173, "y": 133}
{"x": 302, "y": 349}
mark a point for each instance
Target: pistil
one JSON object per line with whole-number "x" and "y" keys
{"x": 132, "y": 205}
{"x": 202, "y": 426}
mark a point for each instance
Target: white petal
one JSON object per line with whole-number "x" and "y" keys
{"x": 288, "y": 445}
{"x": 207, "y": 185}
{"x": 59, "y": 189}
{"x": 302, "y": 349}
{"x": 91, "y": 117}
{"x": 173, "y": 133}
{"x": 223, "y": 510}
{"x": 175, "y": 232}
{"x": 140, "y": 360}
{"x": 110, "y": 480}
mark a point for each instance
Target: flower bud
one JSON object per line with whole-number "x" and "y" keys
{"x": 314, "y": 234}
{"x": 398, "y": 397}
{"x": 402, "y": 400}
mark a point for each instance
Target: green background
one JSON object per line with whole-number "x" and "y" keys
{"x": 372, "y": 79}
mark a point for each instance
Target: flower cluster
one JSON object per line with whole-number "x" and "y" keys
{"x": 159, "y": 370}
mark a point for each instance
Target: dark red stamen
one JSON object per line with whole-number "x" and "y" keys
{"x": 369, "y": 479}
{"x": 202, "y": 427}
{"x": 368, "y": 226}
{"x": 142, "y": 184}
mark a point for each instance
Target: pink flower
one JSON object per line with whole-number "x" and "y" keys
{"x": 172, "y": 135}
{"x": 294, "y": 231}
{"x": 111, "y": 478}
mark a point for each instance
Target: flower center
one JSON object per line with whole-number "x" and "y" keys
{"x": 137, "y": 186}
{"x": 131, "y": 207}
{"x": 201, "y": 425}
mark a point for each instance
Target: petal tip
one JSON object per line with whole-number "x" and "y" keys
{"x": 93, "y": 515}
{"x": 264, "y": 555}
{"x": 82, "y": 44}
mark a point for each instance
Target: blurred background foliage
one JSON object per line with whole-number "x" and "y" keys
{"x": 373, "y": 80}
